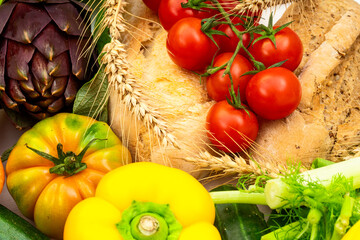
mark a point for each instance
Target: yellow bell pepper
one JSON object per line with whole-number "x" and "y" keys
{"x": 144, "y": 201}
{"x": 353, "y": 233}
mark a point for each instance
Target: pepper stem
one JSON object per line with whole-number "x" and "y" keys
{"x": 148, "y": 225}
{"x": 148, "y": 221}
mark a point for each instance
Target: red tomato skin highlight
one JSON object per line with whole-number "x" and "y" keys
{"x": 274, "y": 93}
{"x": 218, "y": 85}
{"x": 188, "y": 46}
{"x": 288, "y": 47}
{"x": 224, "y": 122}
{"x": 170, "y": 11}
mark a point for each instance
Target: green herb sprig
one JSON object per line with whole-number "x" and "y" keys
{"x": 328, "y": 195}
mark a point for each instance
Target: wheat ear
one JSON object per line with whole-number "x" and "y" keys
{"x": 232, "y": 166}
{"x": 259, "y": 5}
{"x": 118, "y": 71}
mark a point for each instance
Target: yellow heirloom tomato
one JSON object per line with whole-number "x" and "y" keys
{"x": 58, "y": 163}
{"x": 141, "y": 201}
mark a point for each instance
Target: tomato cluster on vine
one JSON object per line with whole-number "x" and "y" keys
{"x": 249, "y": 66}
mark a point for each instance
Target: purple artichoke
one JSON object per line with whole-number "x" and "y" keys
{"x": 41, "y": 65}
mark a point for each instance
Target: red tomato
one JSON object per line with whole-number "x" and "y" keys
{"x": 170, "y": 11}
{"x": 229, "y": 43}
{"x": 188, "y": 46}
{"x": 152, "y": 4}
{"x": 273, "y": 93}
{"x": 288, "y": 46}
{"x": 218, "y": 85}
{"x": 231, "y": 129}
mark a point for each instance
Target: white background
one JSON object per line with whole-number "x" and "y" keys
{"x": 9, "y": 135}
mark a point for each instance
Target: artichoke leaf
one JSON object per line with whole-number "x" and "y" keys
{"x": 79, "y": 47}
{"x": 21, "y": 120}
{"x": 5, "y": 12}
{"x": 25, "y": 23}
{"x": 62, "y": 14}
{"x": 51, "y": 42}
{"x": 3, "y": 48}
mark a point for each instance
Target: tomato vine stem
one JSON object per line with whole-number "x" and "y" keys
{"x": 235, "y": 100}
{"x": 250, "y": 28}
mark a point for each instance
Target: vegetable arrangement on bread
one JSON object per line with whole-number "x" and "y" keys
{"x": 163, "y": 116}
{"x": 206, "y": 87}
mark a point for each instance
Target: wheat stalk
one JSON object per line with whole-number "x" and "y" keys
{"x": 232, "y": 166}
{"x": 259, "y": 5}
{"x": 118, "y": 71}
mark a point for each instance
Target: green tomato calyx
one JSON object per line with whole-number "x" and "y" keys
{"x": 149, "y": 221}
{"x": 66, "y": 164}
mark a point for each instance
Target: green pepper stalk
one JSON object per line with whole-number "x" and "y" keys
{"x": 329, "y": 193}
{"x": 149, "y": 221}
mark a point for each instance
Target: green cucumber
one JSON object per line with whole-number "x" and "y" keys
{"x": 14, "y": 227}
{"x": 239, "y": 221}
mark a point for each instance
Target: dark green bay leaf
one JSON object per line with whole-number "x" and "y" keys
{"x": 92, "y": 98}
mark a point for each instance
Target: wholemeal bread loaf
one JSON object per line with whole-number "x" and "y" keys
{"x": 325, "y": 124}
